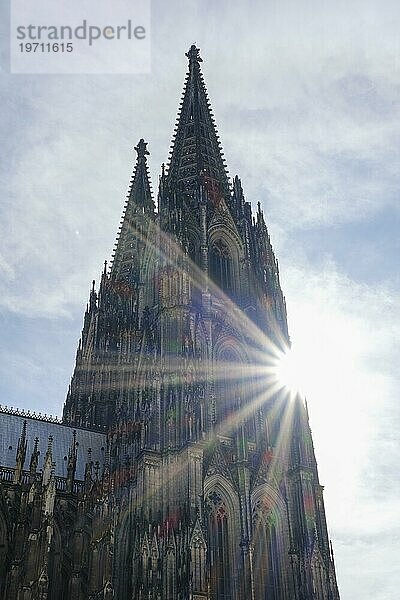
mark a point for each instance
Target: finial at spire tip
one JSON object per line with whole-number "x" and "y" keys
{"x": 194, "y": 54}
{"x": 141, "y": 149}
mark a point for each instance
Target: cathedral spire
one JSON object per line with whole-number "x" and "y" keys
{"x": 140, "y": 197}
{"x": 196, "y": 154}
{"x": 139, "y": 203}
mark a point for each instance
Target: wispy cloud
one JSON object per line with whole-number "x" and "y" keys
{"x": 347, "y": 334}
{"x": 306, "y": 97}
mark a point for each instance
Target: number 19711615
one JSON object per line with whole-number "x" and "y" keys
{"x": 46, "y": 47}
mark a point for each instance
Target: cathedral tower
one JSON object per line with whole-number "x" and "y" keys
{"x": 213, "y": 465}
{"x": 207, "y": 486}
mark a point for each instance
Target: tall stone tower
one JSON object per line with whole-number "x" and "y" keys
{"x": 213, "y": 465}
{"x": 181, "y": 470}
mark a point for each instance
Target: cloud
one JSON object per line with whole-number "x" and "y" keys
{"x": 327, "y": 159}
{"x": 347, "y": 334}
{"x": 313, "y": 130}
{"x": 306, "y": 97}
{"x": 366, "y": 567}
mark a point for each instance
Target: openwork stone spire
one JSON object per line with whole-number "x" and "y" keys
{"x": 139, "y": 202}
{"x": 196, "y": 154}
{"x": 140, "y": 198}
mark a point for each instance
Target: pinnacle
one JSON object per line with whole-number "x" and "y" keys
{"x": 139, "y": 194}
{"x": 139, "y": 202}
{"x": 141, "y": 150}
{"x": 194, "y": 54}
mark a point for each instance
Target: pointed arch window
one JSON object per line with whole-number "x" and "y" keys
{"x": 198, "y": 556}
{"x": 221, "y": 271}
{"x": 220, "y": 548}
{"x": 267, "y": 567}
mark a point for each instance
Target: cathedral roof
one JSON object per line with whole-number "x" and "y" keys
{"x": 10, "y": 432}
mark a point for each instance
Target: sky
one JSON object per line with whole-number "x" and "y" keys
{"x": 306, "y": 96}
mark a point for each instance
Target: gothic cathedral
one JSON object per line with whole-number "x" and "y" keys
{"x": 181, "y": 468}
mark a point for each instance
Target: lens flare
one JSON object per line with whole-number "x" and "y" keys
{"x": 291, "y": 371}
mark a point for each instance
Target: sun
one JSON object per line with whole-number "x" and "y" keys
{"x": 292, "y": 371}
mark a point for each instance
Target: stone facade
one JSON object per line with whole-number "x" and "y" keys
{"x": 181, "y": 469}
